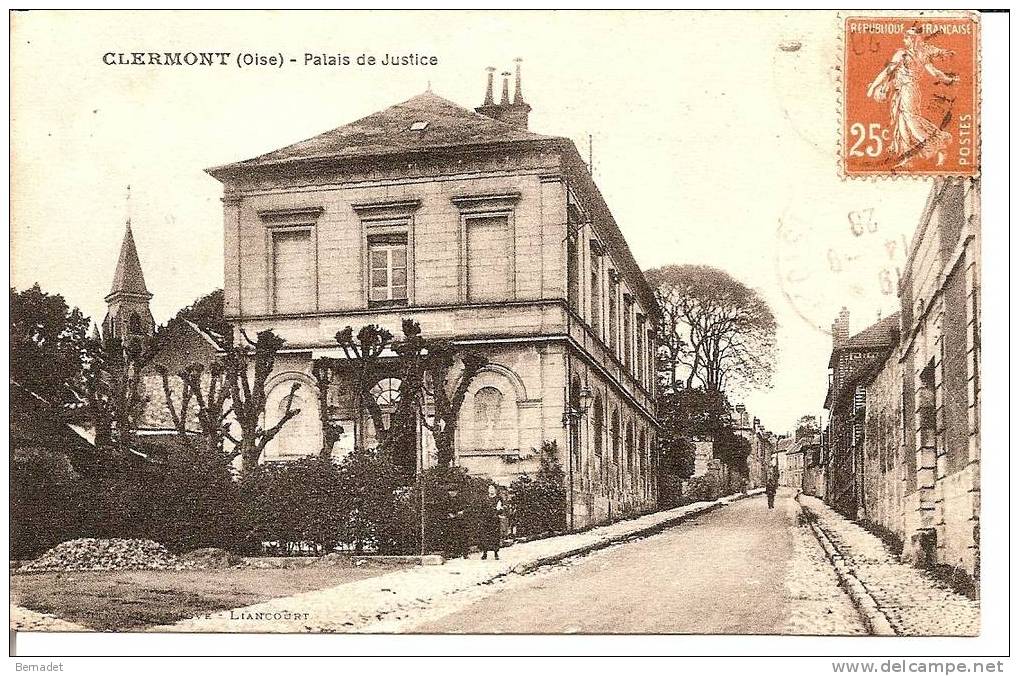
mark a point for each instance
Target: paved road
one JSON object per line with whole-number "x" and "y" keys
{"x": 739, "y": 569}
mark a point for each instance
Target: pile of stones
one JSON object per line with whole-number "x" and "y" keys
{"x": 105, "y": 554}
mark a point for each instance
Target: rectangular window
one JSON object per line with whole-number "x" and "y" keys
{"x": 387, "y": 269}
{"x": 488, "y": 259}
{"x": 640, "y": 348}
{"x": 596, "y": 294}
{"x": 651, "y": 361}
{"x": 627, "y": 335}
{"x": 859, "y": 399}
{"x": 573, "y": 273}
{"x": 613, "y": 315}
{"x": 954, "y": 372}
{"x": 293, "y": 268}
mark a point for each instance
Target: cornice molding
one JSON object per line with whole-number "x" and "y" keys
{"x": 386, "y": 209}
{"x": 285, "y": 217}
{"x": 485, "y": 201}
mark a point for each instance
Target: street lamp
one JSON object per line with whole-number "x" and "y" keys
{"x": 586, "y": 399}
{"x": 575, "y": 411}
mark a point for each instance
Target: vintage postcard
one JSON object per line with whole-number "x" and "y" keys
{"x": 497, "y": 322}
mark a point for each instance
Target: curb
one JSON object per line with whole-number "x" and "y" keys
{"x": 870, "y": 612}
{"x": 523, "y": 568}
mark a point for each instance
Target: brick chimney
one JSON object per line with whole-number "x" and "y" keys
{"x": 513, "y": 112}
{"x": 840, "y": 329}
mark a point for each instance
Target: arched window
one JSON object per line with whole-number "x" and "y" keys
{"x": 574, "y": 412}
{"x": 302, "y": 434}
{"x": 617, "y": 437}
{"x": 629, "y": 446}
{"x": 386, "y": 394}
{"x": 135, "y": 325}
{"x": 598, "y": 419}
{"x": 645, "y": 464}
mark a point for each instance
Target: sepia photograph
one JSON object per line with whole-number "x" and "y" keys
{"x": 502, "y": 324}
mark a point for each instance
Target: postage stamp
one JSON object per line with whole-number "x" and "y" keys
{"x": 910, "y": 99}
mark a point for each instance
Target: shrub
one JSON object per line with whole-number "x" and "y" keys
{"x": 368, "y": 499}
{"x": 701, "y": 489}
{"x": 539, "y": 505}
{"x": 196, "y": 504}
{"x": 49, "y": 503}
{"x": 295, "y": 504}
{"x": 447, "y": 491}
{"x": 670, "y": 490}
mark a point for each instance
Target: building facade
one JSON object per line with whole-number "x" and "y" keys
{"x": 762, "y": 445}
{"x": 490, "y": 236}
{"x": 854, "y": 362}
{"x": 902, "y": 446}
{"x": 940, "y": 364}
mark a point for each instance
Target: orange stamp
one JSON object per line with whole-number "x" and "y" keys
{"x": 910, "y": 96}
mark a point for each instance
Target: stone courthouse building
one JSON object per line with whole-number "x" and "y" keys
{"x": 488, "y": 234}
{"x": 903, "y": 443}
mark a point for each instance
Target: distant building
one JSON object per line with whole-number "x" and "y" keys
{"x": 854, "y": 360}
{"x": 761, "y": 445}
{"x": 804, "y": 450}
{"x": 780, "y": 459}
{"x": 489, "y": 235}
{"x": 703, "y": 453}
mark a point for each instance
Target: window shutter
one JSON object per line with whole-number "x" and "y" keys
{"x": 488, "y": 259}
{"x": 293, "y": 271}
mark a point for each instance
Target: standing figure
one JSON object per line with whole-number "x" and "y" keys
{"x": 491, "y": 524}
{"x": 771, "y": 486}
{"x": 912, "y": 133}
{"x": 456, "y": 527}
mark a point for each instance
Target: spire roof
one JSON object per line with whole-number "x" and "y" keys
{"x": 128, "y": 279}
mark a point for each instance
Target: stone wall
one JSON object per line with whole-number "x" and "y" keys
{"x": 940, "y": 294}
{"x": 883, "y": 478}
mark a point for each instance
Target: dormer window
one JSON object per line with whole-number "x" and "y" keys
{"x": 420, "y": 125}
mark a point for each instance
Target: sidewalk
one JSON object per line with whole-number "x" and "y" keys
{"x": 359, "y": 606}
{"x": 912, "y": 602}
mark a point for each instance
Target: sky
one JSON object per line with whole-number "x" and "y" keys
{"x": 714, "y": 142}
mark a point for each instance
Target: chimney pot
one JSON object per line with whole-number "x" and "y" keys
{"x": 518, "y": 94}
{"x": 505, "y": 89}
{"x": 840, "y": 328}
{"x": 489, "y": 93}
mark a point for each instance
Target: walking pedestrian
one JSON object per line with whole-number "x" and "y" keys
{"x": 771, "y": 486}
{"x": 491, "y": 525}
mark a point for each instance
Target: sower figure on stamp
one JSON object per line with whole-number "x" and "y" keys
{"x": 771, "y": 486}
{"x": 491, "y": 527}
{"x": 912, "y": 133}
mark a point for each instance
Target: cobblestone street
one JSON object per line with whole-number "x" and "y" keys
{"x": 915, "y": 603}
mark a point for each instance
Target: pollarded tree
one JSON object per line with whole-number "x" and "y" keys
{"x": 205, "y": 397}
{"x": 364, "y": 354}
{"x": 716, "y": 331}
{"x": 248, "y": 366}
{"x": 439, "y": 373}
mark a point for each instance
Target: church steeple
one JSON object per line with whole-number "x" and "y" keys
{"x": 128, "y": 279}
{"x": 128, "y": 300}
